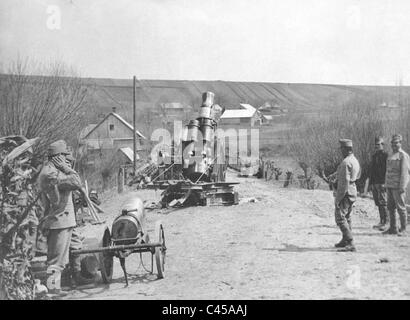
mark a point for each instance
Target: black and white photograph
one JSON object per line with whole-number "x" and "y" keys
{"x": 222, "y": 151}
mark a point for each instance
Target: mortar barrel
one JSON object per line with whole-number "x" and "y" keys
{"x": 207, "y": 102}
{"x": 193, "y": 129}
{"x": 185, "y": 132}
{"x": 207, "y": 129}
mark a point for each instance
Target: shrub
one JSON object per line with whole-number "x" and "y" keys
{"x": 19, "y": 214}
{"x": 314, "y": 142}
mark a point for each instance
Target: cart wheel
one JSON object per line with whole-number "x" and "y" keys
{"x": 160, "y": 251}
{"x": 106, "y": 258}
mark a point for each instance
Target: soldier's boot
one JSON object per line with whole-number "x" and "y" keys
{"x": 386, "y": 219}
{"x": 53, "y": 283}
{"x": 78, "y": 280}
{"x": 342, "y": 243}
{"x": 349, "y": 247}
{"x": 347, "y": 244}
{"x": 393, "y": 223}
{"x": 382, "y": 219}
{"x": 403, "y": 223}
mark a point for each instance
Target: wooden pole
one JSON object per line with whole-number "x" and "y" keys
{"x": 366, "y": 188}
{"x": 120, "y": 180}
{"x": 134, "y": 124}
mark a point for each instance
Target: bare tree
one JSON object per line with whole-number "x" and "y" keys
{"x": 315, "y": 142}
{"x": 46, "y": 101}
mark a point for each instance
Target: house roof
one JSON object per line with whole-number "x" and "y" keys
{"x": 119, "y": 118}
{"x": 86, "y": 130}
{"x": 247, "y": 112}
{"x": 102, "y": 144}
{"x": 128, "y": 153}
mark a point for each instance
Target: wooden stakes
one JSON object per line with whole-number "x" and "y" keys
{"x": 92, "y": 206}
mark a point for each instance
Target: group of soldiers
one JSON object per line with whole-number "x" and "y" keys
{"x": 389, "y": 177}
{"x": 57, "y": 180}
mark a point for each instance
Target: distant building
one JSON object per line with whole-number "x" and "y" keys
{"x": 272, "y": 110}
{"x": 126, "y": 156}
{"x": 266, "y": 119}
{"x": 270, "y": 106}
{"x": 248, "y": 116}
{"x": 111, "y": 133}
{"x": 388, "y": 105}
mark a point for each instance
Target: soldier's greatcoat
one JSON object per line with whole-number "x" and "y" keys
{"x": 347, "y": 174}
{"x": 56, "y": 188}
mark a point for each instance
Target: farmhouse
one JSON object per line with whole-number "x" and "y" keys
{"x": 248, "y": 116}
{"x": 110, "y": 134}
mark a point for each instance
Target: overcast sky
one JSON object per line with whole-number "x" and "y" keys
{"x": 312, "y": 41}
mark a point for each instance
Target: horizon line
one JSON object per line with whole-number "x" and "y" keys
{"x": 217, "y": 80}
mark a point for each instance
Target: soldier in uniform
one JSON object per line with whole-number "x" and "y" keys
{"x": 377, "y": 177}
{"x": 56, "y": 183}
{"x": 348, "y": 172}
{"x": 397, "y": 179}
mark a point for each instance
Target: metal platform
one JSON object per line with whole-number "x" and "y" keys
{"x": 186, "y": 193}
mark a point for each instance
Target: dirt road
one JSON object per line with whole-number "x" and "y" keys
{"x": 280, "y": 247}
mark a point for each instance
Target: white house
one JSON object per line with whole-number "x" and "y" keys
{"x": 247, "y": 116}
{"x": 111, "y": 133}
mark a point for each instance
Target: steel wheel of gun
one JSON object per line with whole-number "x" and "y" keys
{"x": 106, "y": 258}
{"x": 160, "y": 251}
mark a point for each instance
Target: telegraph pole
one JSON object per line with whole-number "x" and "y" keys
{"x": 134, "y": 123}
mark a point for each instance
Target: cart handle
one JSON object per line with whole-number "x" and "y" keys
{"x": 118, "y": 248}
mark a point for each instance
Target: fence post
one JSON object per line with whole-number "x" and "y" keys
{"x": 262, "y": 165}
{"x": 120, "y": 180}
{"x": 289, "y": 176}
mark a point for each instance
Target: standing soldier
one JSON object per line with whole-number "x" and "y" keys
{"x": 397, "y": 179}
{"x": 377, "y": 177}
{"x": 346, "y": 193}
{"x": 56, "y": 181}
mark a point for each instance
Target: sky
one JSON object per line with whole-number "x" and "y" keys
{"x": 362, "y": 42}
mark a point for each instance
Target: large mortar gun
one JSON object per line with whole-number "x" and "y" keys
{"x": 203, "y": 153}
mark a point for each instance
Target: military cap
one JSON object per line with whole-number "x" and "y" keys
{"x": 346, "y": 143}
{"x": 378, "y": 139}
{"x": 396, "y": 138}
{"x": 57, "y": 147}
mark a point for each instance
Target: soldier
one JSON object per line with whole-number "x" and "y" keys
{"x": 76, "y": 242}
{"x": 56, "y": 181}
{"x": 347, "y": 174}
{"x": 377, "y": 177}
{"x": 397, "y": 179}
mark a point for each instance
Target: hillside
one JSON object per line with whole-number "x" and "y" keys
{"x": 296, "y": 97}
{"x": 293, "y": 96}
